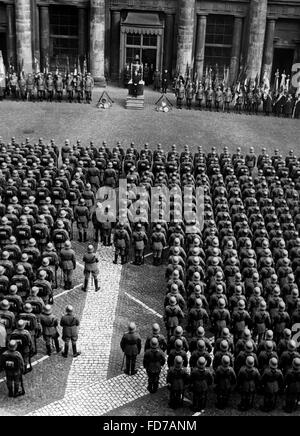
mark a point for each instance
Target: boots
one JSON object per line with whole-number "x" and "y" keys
{"x": 123, "y": 260}
{"x": 84, "y": 237}
{"x": 80, "y": 237}
{"x": 84, "y": 288}
{"x": 75, "y": 352}
{"x": 116, "y": 259}
{"x": 97, "y": 288}
{"x": 48, "y": 347}
{"x": 66, "y": 350}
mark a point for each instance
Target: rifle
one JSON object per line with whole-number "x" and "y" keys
{"x": 123, "y": 362}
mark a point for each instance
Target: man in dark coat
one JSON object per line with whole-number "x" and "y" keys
{"x": 154, "y": 359}
{"x": 248, "y": 382}
{"x": 90, "y": 267}
{"x": 12, "y": 363}
{"x": 131, "y": 345}
{"x": 67, "y": 263}
{"x": 200, "y": 379}
{"x": 69, "y": 322}
{"x": 177, "y": 380}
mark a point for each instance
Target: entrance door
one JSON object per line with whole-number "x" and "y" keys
{"x": 3, "y": 47}
{"x": 283, "y": 60}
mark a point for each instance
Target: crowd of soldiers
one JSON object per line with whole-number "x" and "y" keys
{"x": 40, "y": 199}
{"x": 232, "y": 276}
{"x": 49, "y": 87}
{"x": 232, "y": 287}
{"x": 247, "y": 99}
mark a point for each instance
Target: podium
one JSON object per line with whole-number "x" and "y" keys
{"x": 135, "y": 98}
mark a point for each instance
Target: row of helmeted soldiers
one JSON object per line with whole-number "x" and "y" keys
{"x": 49, "y": 86}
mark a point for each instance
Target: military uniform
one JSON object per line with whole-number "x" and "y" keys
{"x": 90, "y": 267}
{"x": 154, "y": 359}
{"x": 131, "y": 346}
{"x": 177, "y": 380}
{"x": 11, "y": 361}
{"x": 69, "y": 324}
{"x": 121, "y": 242}
{"x": 82, "y": 216}
{"x": 49, "y": 325}
{"x": 67, "y": 264}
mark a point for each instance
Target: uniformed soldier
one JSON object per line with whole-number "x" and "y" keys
{"x": 88, "y": 87}
{"x": 69, "y": 322}
{"x": 82, "y": 217}
{"x": 11, "y": 361}
{"x": 24, "y": 343}
{"x": 67, "y": 264}
{"x": 90, "y": 267}
{"x": 154, "y": 360}
{"x": 131, "y": 346}
{"x": 177, "y": 381}
{"x": 292, "y": 383}
{"x": 121, "y": 242}
{"x": 49, "y": 324}
{"x": 50, "y": 87}
{"x": 158, "y": 242}
{"x": 225, "y": 380}
{"x": 139, "y": 242}
{"x": 201, "y": 379}
{"x": 272, "y": 383}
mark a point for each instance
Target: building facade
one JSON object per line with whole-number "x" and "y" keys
{"x": 254, "y": 36}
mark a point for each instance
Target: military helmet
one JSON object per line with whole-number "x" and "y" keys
{"x": 12, "y": 345}
{"x": 273, "y": 363}
{"x": 154, "y": 343}
{"x": 201, "y": 362}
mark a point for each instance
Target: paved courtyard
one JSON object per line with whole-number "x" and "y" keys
{"x": 93, "y": 383}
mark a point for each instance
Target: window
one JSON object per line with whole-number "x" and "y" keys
{"x": 133, "y": 39}
{"x": 218, "y": 42}
{"x": 63, "y": 32}
{"x": 136, "y": 44}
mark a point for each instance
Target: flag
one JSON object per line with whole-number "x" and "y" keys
{"x": 78, "y": 66}
{"x": 37, "y": 65}
{"x": 68, "y": 66}
{"x": 85, "y": 66}
{"x": 2, "y": 71}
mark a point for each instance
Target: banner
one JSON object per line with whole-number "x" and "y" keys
{"x": 2, "y": 71}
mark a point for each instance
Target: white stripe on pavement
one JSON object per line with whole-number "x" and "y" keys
{"x": 32, "y": 364}
{"x": 143, "y": 305}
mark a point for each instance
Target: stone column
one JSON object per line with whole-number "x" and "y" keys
{"x": 257, "y": 28}
{"x": 269, "y": 48}
{"x": 44, "y": 35}
{"x": 200, "y": 45}
{"x": 10, "y": 34}
{"x": 236, "y": 49}
{"x": 185, "y": 35}
{"x": 97, "y": 33}
{"x": 23, "y": 34}
{"x": 82, "y": 32}
{"x": 115, "y": 44}
{"x": 168, "y": 43}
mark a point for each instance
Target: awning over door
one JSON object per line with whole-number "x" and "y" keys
{"x": 142, "y": 23}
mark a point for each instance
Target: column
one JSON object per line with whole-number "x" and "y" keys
{"x": 44, "y": 35}
{"x": 257, "y": 28}
{"x": 115, "y": 44}
{"x": 97, "y": 33}
{"x": 10, "y": 34}
{"x": 236, "y": 49}
{"x": 200, "y": 45}
{"x": 168, "y": 43}
{"x": 82, "y": 32}
{"x": 269, "y": 49}
{"x": 185, "y": 35}
{"x": 23, "y": 34}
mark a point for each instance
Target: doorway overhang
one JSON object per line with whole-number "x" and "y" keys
{"x": 142, "y": 23}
